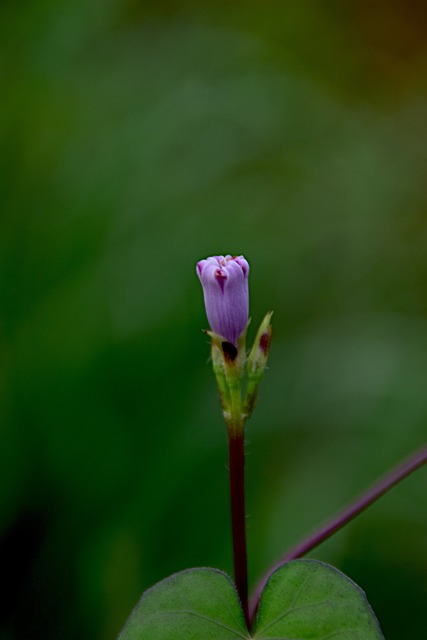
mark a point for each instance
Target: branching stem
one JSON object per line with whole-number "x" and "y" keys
{"x": 401, "y": 471}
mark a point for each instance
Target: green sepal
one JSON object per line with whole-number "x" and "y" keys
{"x": 228, "y": 363}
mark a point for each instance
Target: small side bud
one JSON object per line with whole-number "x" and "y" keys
{"x": 257, "y": 362}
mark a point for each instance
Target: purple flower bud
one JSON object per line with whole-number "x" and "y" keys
{"x": 225, "y": 288}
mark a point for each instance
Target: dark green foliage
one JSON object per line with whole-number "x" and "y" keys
{"x": 136, "y": 138}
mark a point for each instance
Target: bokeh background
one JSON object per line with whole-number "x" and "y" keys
{"x": 137, "y": 138}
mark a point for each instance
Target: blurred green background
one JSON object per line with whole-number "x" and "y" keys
{"x": 137, "y": 138}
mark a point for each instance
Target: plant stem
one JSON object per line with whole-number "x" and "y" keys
{"x": 237, "y": 499}
{"x": 401, "y": 471}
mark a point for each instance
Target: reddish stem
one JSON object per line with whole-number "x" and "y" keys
{"x": 388, "y": 481}
{"x": 238, "y": 517}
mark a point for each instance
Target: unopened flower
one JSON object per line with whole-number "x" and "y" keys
{"x": 225, "y": 287}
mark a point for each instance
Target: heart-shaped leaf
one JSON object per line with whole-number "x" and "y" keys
{"x": 309, "y": 600}
{"x": 196, "y": 604}
{"x": 303, "y": 600}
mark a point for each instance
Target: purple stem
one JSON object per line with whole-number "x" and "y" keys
{"x": 238, "y": 517}
{"x": 401, "y": 471}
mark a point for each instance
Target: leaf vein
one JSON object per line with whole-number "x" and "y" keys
{"x": 292, "y": 609}
{"x": 196, "y": 614}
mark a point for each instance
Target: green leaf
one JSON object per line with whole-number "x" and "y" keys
{"x": 309, "y": 600}
{"x": 303, "y": 600}
{"x": 196, "y": 604}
